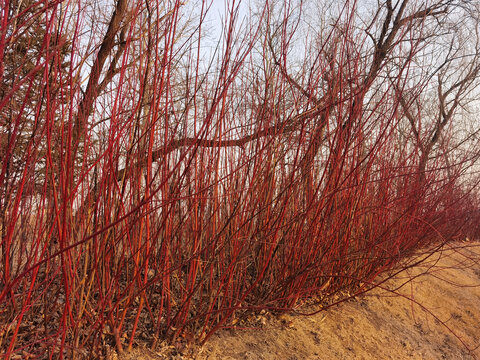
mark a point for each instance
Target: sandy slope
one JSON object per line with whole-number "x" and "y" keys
{"x": 376, "y": 326}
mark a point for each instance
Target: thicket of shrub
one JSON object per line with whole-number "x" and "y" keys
{"x": 156, "y": 184}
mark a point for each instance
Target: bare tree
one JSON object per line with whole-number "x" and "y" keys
{"x": 448, "y": 89}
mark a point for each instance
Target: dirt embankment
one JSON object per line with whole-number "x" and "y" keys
{"x": 434, "y": 316}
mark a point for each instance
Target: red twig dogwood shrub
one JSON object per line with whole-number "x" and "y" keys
{"x": 156, "y": 184}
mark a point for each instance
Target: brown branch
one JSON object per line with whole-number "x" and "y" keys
{"x": 283, "y": 128}
{"x": 385, "y": 42}
{"x": 411, "y": 119}
{"x": 93, "y": 88}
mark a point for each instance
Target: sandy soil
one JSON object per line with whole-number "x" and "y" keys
{"x": 434, "y": 316}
